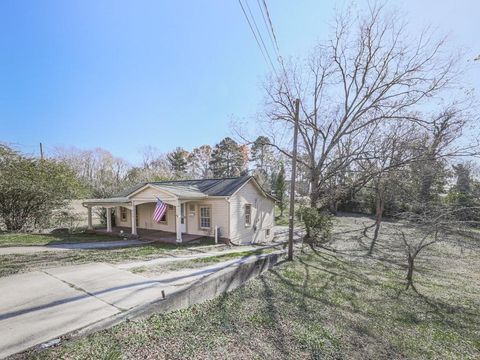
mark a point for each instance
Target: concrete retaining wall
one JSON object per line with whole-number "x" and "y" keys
{"x": 206, "y": 288}
{"x": 209, "y": 287}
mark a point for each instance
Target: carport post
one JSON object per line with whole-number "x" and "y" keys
{"x": 134, "y": 219}
{"x": 109, "y": 219}
{"x": 89, "y": 218}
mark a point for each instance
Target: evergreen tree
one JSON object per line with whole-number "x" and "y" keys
{"x": 281, "y": 188}
{"x": 227, "y": 159}
{"x": 461, "y": 194}
{"x": 178, "y": 162}
{"x": 262, "y": 155}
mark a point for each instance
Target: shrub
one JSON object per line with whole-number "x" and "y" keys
{"x": 31, "y": 189}
{"x": 318, "y": 225}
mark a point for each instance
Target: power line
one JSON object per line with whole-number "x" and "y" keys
{"x": 272, "y": 39}
{"x": 272, "y": 35}
{"x": 267, "y": 20}
{"x": 271, "y": 29}
{"x": 256, "y": 38}
{"x": 259, "y": 33}
{"x": 271, "y": 25}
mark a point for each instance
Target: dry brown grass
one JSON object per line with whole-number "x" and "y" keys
{"x": 328, "y": 304}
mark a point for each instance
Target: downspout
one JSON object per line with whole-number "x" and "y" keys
{"x": 229, "y": 223}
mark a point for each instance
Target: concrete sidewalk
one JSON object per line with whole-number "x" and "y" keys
{"x": 39, "y": 306}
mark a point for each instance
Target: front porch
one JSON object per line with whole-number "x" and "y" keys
{"x": 134, "y": 213}
{"x": 148, "y": 234}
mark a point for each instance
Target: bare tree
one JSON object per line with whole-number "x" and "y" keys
{"x": 98, "y": 168}
{"x": 149, "y": 155}
{"x": 407, "y": 153}
{"x": 199, "y": 162}
{"x": 155, "y": 166}
{"x": 369, "y": 74}
{"x": 418, "y": 231}
{"x": 389, "y": 156}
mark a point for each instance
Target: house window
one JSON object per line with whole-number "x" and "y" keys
{"x": 164, "y": 218}
{"x": 205, "y": 217}
{"x": 267, "y": 233}
{"x": 123, "y": 214}
{"x": 248, "y": 214}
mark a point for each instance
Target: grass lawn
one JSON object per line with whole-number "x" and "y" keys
{"x": 21, "y": 239}
{"x": 328, "y": 304}
{"x": 197, "y": 263}
{"x": 16, "y": 263}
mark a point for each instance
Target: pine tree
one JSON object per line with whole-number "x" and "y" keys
{"x": 463, "y": 184}
{"x": 281, "y": 188}
{"x": 227, "y": 159}
{"x": 178, "y": 162}
{"x": 262, "y": 155}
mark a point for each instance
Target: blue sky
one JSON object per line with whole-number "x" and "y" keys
{"x": 126, "y": 74}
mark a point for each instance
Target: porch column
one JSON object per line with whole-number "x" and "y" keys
{"x": 178, "y": 222}
{"x": 109, "y": 219}
{"x": 134, "y": 219}
{"x": 89, "y": 217}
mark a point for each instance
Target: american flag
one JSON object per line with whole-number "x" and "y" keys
{"x": 159, "y": 211}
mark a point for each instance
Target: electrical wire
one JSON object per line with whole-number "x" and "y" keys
{"x": 265, "y": 55}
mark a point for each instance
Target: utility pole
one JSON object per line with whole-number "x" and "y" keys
{"x": 292, "y": 183}
{"x": 41, "y": 151}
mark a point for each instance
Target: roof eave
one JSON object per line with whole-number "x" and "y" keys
{"x": 107, "y": 201}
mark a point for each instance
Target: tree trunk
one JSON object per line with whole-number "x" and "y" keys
{"x": 380, "y": 205}
{"x": 314, "y": 193}
{"x": 333, "y": 206}
{"x": 411, "y": 266}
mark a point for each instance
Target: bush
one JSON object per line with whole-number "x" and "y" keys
{"x": 318, "y": 225}
{"x": 31, "y": 189}
{"x": 65, "y": 220}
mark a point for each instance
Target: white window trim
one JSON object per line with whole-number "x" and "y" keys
{"x": 249, "y": 224}
{"x": 200, "y": 207}
{"x": 123, "y": 211}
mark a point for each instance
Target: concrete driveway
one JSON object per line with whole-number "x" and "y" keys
{"x": 43, "y": 305}
{"x": 39, "y": 306}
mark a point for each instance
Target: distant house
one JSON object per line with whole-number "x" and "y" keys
{"x": 238, "y": 207}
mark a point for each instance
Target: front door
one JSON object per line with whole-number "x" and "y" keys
{"x": 183, "y": 224}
